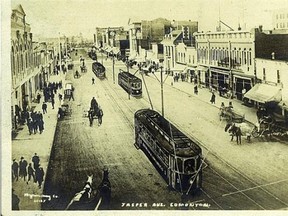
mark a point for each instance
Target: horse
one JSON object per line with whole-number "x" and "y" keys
{"x": 239, "y": 129}
{"x": 83, "y": 196}
{"x": 104, "y": 189}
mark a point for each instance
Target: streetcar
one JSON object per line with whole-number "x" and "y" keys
{"x": 130, "y": 83}
{"x": 99, "y": 70}
{"x": 176, "y": 157}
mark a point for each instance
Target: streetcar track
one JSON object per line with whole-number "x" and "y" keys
{"x": 205, "y": 147}
{"x": 226, "y": 163}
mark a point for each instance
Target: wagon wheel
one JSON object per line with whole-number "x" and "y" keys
{"x": 255, "y": 132}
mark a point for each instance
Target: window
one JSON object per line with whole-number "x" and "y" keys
{"x": 278, "y": 77}
{"x": 264, "y": 74}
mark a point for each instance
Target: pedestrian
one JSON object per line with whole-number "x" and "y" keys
{"x": 38, "y": 97}
{"x": 230, "y": 105}
{"x": 100, "y": 115}
{"x": 60, "y": 96}
{"x": 15, "y": 170}
{"x": 212, "y": 100}
{"x": 93, "y": 81}
{"x": 15, "y": 201}
{"x": 39, "y": 175}
{"x": 23, "y": 168}
{"x": 41, "y": 125}
{"x": 71, "y": 94}
{"x": 196, "y": 89}
{"x": 52, "y": 102}
{"x": 30, "y": 125}
{"x": 44, "y": 107}
{"x": 31, "y": 173}
{"x": 36, "y": 161}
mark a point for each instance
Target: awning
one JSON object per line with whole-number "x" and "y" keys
{"x": 115, "y": 50}
{"x": 178, "y": 67}
{"x": 201, "y": 68}
{"x": 264, "y": 93}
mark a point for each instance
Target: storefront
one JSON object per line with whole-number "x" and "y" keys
{"x": 219, "y": 78}
{"x": 242, "y": 83}
{"x": 202, "y": 76}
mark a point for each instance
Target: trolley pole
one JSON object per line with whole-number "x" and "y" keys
{"x": 113, "y": 67}
{"x": 162, "y": 96}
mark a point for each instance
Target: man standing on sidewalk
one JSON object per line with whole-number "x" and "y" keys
{"x": 15, "y": 169}
{"x": 36, "y": 161}
{"x": 93, "y": 81}
{"x": 31, "y": 173}
{"x": 52, "y": 102}
{"x": 39, "y": 174}
{"x": 44, "y": 107}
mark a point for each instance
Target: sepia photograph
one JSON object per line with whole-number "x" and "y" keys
{"x": 140, "y": 107}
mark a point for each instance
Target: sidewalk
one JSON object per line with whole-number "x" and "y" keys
{"x": 27, "y": 145}
{"x": 205, "y": 95}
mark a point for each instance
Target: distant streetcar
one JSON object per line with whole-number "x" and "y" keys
{"x": 130, "y": 83}
{"x": 177, "y": 158}
{"x": 99, "y": 70}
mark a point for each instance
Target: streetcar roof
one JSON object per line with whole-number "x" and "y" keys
{"x": 183, "y": 144}
{"x": 129, "y": 75}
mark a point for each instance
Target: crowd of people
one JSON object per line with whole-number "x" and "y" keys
{"x": 27, "y": 172}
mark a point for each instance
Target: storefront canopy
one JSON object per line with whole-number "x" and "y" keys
{"x": 179, "y": 68}
{"x": 264, "y": 93}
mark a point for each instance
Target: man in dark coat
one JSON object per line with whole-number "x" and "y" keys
{"x": 94, "y": 104}
{"x": 52, "y": 102}
{"x": 23, "y": 168}
{"x": 31, "y": 173}
{"x": 38, "y": 98}
{"x": 44, "y": 107}
{"x": 30, "y": 125}
{"x": 36, "y": 161}
{"x": 15, "y": 201}
{"x": 15, "y": 170}
{"x": 39, "y": 175}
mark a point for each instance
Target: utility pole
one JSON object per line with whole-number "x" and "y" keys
{"x": 113, "y": 67}
{"x": 162, "y": 96}
{"x": 60, "y": 58}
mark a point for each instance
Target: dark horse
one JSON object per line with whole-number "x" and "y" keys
{"x": 104, "y": 191}
{"x": 235, "y": 131}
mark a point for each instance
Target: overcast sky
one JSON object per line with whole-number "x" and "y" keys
{"x": 70, "y": 17}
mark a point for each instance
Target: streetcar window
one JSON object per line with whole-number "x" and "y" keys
{"x": 189, "y": 166}
{"x": 179, "y": 165}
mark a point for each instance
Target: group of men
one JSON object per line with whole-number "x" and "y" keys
{"x": 22, "y": 170}
{"x": 34, "y": 122}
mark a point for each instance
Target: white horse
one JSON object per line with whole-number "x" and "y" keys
{"x": 83, "y": 195}
{"x": 245, "y": 127}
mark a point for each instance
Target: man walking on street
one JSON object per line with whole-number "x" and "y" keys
{"x": 23, "y": 168}
{"x": 15, "y": 169}
{"x": 39, "y": 174}
{"x": 31, "y": 173}
{"x": 44, "y": 107}
{"x": 93, "y": 81}
{"x": 36, "y": 161}
{"x": 52, "y": 102}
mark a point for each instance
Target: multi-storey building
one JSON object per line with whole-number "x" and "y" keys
{"x": 30, "y": 64}
{"x": 142, "y": 34}
{"x": 226, "y": 60}
{"x": 112, "y": 39}
{"x": 180, "y": 36}
{"x": 280, "y": 19}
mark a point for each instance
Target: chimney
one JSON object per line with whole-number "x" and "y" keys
{"x": 273, "y": 55}
{"x": 260, "y": 28}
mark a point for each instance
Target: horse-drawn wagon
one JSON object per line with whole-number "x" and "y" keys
{"x": 229, "y": 114}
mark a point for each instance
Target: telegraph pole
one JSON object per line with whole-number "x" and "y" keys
{"x": 162, "y": 96}
{"x": 113, "y": 67}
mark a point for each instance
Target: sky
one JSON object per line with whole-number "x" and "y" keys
{"x": 70, "y": 17}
